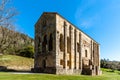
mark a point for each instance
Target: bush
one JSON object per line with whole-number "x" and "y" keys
{"x": 113, "y": 65}
{"x": 3, "y": 68}
{"x": 27, "y": 52}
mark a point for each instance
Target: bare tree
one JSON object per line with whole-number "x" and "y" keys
{"x": 7, "y": 30}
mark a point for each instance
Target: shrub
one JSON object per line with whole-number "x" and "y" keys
{"x": 27, "y": 52}
{"x": 3, "y": 68}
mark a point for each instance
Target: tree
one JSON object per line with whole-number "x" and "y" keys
{"x": 27, "y": 51}
{"x": 7, "y": 30}
{"x": 113, "y": 65}
{"x": 104, "y": 63}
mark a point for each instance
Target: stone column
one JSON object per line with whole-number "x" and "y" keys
{"x": 80, "y": 53}
{"x": 93, "y": 56}
{"x": 99, "y": 56}
{"x": 77, "y": 53}
{"x": 65, "y": 45}
{"x": 92, "y": 51}
{"x": 75, "y": 48}
{"x": 92, "y": 66}
{"x": 72, "y": 48}
{"x": 57, "y": 47}
{"x": 99, "y": 60}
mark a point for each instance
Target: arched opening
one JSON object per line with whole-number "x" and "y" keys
{"x": 68, "y": 45}
{"x": 44, "y": 44}
{"x": 65, "y": 24}
{"x": 44, "y": 23}
{"x": 61, "y": 42}
{"x": 69, "y": 41}
{"x": 44, "y": 63}
{"x": 85, "y": 53}
{"x": 39, "y": 46}
{"x": 78, "y": 47}
{"x": 51, "y": 43}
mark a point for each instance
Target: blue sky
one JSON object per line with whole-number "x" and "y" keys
{"x": 98, "y": 18}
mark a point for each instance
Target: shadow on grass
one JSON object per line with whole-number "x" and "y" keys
{"x": 111, "y": 71}
{"x": 4, "y": 69}
{"x": 118, "y": 73}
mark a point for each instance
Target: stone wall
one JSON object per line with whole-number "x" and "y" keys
{"x": 44, "y": 44}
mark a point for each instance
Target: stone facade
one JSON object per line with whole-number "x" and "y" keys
{"x": 61, "y": 48}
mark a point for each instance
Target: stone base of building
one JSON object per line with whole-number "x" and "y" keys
{"x": 68, "y": 71}
{"x": 94, "y": 73}
{"x": 50, "y": 70}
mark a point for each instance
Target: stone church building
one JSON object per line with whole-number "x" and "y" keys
{"x": 62, "y": 48}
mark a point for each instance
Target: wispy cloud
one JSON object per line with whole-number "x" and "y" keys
{"x": 87, "y": 22}
{"x": 84, "y": 16}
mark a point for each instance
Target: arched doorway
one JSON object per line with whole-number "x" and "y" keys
{"x": 44, "y": 63}
{"x": 51, "y": 43}
{"x": 44, "y": 44}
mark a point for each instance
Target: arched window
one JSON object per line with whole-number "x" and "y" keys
{"x": 44, "y": 63}
{"x": 39, "y": 46}
{"x": 78, "y": 47}
{"x": 61, "y": 42}
{"x": 44, "y": 23}
{"x": 44, "y": 44}
{"x": 70, "y": 29}
{"x": 85, "y": 53}
{"x": 69, "y": 41}
{"x": 51, "y": 43}
{"x": 45, "y": 39}
{"x": 68, "y": 45}
{"x": 65, "y": 24}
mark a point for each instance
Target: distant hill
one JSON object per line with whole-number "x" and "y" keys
{"x": 11, "y": 41}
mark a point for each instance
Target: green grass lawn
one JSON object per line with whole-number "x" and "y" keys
{"x": 105, "y": 76}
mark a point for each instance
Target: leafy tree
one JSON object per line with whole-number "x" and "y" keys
{"x": 113, "y": 65}
{"x": 27, "y": 52}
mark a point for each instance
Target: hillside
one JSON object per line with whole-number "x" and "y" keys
{"x": 12, "y": 41}
{"x": 16, "y": 62}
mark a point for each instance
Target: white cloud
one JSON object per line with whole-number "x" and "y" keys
{"x": 84, "y": 19}
{"x": 86, "y": 22}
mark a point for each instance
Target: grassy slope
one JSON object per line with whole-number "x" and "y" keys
{"x": 16, "y": 62}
